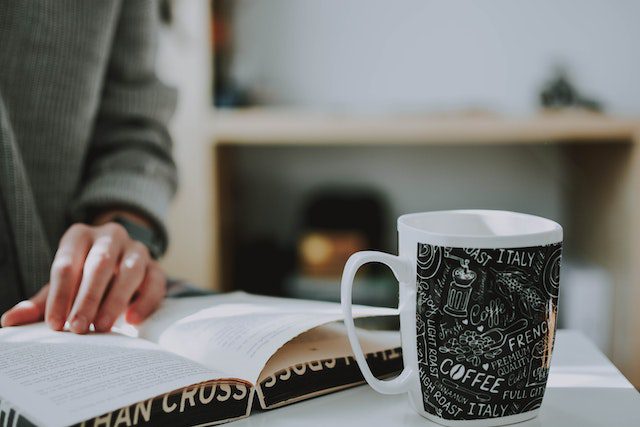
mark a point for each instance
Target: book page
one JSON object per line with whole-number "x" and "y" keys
{"x": 237, "y": 333}
{"x": 60, "y": 378}
{"x": 327, "y": 342}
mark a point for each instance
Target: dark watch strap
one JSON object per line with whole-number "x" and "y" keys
{"x": 144, "y": 235}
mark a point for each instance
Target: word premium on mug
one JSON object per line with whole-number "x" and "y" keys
{"x": 478, "y": 310}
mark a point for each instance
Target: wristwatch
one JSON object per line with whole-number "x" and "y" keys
{"x": 145, "y": 235}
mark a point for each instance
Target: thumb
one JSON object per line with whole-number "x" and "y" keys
{"x": 28, "y": 311}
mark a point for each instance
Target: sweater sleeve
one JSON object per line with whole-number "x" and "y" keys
{"x": 129, "y": 163}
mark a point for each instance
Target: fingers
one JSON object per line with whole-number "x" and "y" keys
{"x": 131, "y": 274}
{"x": 29, "y": 311}
{"x": 99, "y": 268}
{"x": 149, "y": 297}
{"x": 97, "y": 274}
{"x": 66, "y": 272}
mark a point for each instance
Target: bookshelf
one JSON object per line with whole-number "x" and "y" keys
{"x": 601, "y": 156}
{"x": 281, "y": 126}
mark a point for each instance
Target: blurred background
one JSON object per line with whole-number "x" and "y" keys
{"x": 304, "y": 128}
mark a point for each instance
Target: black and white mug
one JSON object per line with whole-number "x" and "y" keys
{"x": 478, "y": 310}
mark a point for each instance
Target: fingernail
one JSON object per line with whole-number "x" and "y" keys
{"x": 56, "y": 323}
{"x": 134, "y": 317}
{"x": 103, "y": 324}
{"x": 79, "y": 325}
{"x": 24, "y": 304}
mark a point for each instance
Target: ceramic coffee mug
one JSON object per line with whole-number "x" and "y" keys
{"x": 478, "y": 309}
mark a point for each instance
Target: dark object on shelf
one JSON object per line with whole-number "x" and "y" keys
{"x": 337, "y": 209}
{"x": 323, "y": 253}
{"x": 226, "y": 92}
{"x": 228, "y": 95}
{"x": 261, "y": 266}
{"x": 347, "y": 220}
{"x": 166, "y": 12}
{"x": 561, "y": 93}
{"x": 335, "y": 224}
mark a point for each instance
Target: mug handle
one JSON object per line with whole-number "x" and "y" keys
{"x": 401, "y": 271}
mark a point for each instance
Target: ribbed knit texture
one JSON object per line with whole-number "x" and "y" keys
{"x": 82, "y": 121}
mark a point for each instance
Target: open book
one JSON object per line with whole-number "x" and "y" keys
{"x": 196, "y": 361}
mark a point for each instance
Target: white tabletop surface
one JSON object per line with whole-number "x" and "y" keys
{"x": 584, "y": 389}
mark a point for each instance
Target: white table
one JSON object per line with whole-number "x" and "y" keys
{"x": 584, "y": 389}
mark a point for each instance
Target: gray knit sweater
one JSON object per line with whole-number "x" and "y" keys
{"x": 82, "y": 126}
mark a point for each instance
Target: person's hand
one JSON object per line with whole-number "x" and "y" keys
{"x": 98, "y": 273}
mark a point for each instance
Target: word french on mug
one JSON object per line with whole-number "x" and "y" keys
{"x": 478, "y": 310}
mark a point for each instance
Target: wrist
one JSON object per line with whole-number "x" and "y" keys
{"x": 137, "y": 226}
{"x": 110, "y": 215}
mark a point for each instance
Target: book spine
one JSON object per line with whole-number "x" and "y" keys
{"x": 199, "y": 405}
{"x": 311, "y": 379}
{"x": 10, "y": 416}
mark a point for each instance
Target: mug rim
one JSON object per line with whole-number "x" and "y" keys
{"x": 548, "y": 231}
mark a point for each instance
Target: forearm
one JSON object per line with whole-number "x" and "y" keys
{"x": 129, "y": 167}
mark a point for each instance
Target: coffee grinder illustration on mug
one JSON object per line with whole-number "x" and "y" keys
{"x": 460, "y": 288}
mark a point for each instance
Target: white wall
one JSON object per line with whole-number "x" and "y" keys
{"x": 380, "y": 55}
{"x": 184, "y": 61}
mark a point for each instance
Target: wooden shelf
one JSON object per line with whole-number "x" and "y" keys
{"x": 284, "y": 127}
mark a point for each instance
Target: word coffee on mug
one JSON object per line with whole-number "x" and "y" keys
{"x": 478, "y": 310}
